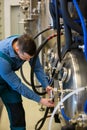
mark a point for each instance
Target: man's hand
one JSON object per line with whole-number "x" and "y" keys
{"x": 49, "y": 89}
{"x": 47, "y": 102}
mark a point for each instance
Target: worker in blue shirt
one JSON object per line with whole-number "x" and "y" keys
{"x": 14, "y": 51}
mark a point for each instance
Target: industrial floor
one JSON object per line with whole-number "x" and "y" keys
{"x": 33, "y": 114}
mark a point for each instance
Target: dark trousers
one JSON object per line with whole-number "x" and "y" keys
{"x": 13, "y": 103}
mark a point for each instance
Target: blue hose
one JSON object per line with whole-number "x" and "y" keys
{"x": 85, "y": 107}
{"x": 83, "y": 27}
{"x": 64, "y": 115}
{"x": 67, "y": 118}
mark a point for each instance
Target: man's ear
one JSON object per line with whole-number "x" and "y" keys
{"x": 17, "y": 49}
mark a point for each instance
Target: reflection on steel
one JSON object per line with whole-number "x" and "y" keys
{"x": 74, "y": 106}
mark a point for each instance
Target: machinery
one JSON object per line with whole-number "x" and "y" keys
{"x": 65, "y": 65}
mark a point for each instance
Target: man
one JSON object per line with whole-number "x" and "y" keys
{"x": 14, "y": 51}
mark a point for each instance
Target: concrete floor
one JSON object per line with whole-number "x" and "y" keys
{"x": 32, "y": 111}
{"x": 33, "y": 114}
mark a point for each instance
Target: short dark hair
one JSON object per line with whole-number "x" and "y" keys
{"x": 27, "y": 44}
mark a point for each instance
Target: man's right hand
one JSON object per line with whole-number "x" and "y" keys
{"x": 47, "y": 102}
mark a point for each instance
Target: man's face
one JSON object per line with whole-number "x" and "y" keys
{"x": 24, "y": 56}
{"x": 21, "y": 55}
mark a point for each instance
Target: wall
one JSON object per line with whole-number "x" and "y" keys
{"x": 7, "y": 21}
{"x": 1, "y": 19}
{"x": 44, "y": 18}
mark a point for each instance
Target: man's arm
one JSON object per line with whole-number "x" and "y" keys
{"x": 39, "y": 72}
{"x": 13, "y": 81}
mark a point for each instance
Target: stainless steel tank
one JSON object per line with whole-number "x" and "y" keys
{"x": 76, "y": 65}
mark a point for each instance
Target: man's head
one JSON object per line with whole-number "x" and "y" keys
{"x": 27, "y": 44}
{"x": 25, "y": 47}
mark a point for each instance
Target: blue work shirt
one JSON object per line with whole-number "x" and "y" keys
{"x": 7, "y": 71}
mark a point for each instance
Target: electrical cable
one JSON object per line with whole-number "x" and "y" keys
{"x": 23, "y": 77}
{"x": 34, "y": 61}
{"x": 47, "y": 29}
{"x": 58, "y": 29}
{"x": 83, "y": 26}
{"x": 42, "y": 119}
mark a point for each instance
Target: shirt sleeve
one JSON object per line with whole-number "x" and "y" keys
{"x": 11, "y": 78}
{"x": 39, "y": 72}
